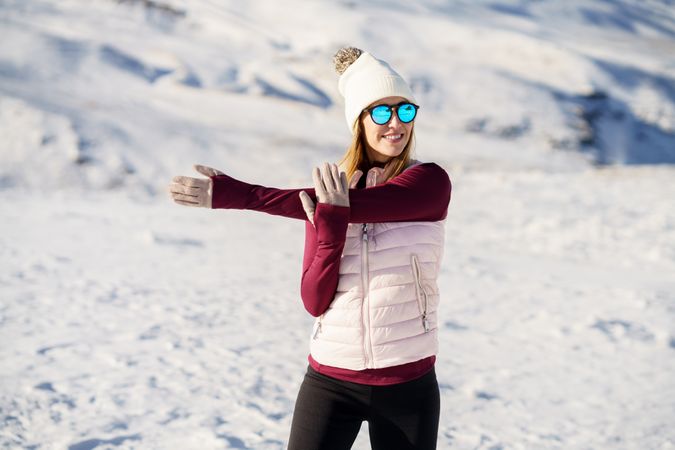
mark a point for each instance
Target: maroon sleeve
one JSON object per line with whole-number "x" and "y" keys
{"x": 324, "y": 242}
{"x": 421, "y": 192}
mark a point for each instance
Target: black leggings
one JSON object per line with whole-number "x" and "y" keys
{"x": 328, "y": 414}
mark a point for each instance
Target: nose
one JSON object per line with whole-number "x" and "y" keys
{"x": 394, "y": 121}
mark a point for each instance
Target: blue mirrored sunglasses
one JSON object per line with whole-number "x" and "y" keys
{"x": 381, "y": 114}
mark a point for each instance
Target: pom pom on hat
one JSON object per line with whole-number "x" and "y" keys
{"x": 345, "y": 57}
{"x": 365, "y": 79}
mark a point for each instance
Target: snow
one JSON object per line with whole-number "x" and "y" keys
{"x": 127, "y": 321}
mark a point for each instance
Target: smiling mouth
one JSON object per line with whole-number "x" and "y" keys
{"x": 393, "y": 137}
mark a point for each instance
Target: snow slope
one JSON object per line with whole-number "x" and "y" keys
{"x": 129, "y": 322}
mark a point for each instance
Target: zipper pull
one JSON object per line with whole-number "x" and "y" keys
{"x": 365, "y": 231}
{"x": 317, "y": 330}
{"x": 425, "y": 322}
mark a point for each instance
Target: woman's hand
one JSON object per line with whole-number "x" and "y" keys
{"x": 190, "y": 191}
{"x": 330, "y": 186}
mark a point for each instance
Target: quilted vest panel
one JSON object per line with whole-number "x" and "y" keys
{"x": 384, "y": 312}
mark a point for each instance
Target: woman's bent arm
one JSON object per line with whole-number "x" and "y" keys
{"x": 324, "y": 243}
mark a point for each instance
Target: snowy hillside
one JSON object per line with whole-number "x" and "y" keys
{"x": 117, "y": 93}
{"x": 129, "y": 322}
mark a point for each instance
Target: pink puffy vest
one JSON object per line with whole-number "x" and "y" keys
{"x": 384, "y": 312}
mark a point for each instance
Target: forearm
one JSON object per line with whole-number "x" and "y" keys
{"x": 324, "y": 244}
{"x": 230, "y": 193}
{"x": 419, "y": 193}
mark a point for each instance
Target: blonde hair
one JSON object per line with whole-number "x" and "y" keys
{"x": 356, "y": 158}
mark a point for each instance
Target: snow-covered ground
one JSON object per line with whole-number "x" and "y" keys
{"x": 129, "y": 322}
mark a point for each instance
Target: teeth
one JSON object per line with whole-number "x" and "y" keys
{"x": 393, "y": 137}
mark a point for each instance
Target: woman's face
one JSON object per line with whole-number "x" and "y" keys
{"x": 384, "y": 142}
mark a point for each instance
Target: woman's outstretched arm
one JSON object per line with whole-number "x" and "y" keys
{"x": 421, "y": 192}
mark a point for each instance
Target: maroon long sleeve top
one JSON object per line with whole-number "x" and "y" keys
{"x": 421, "y": 193}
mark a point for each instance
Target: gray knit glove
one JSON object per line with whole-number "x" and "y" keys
{"x": 330, "y": 186}
{"x": 190, "y": 191}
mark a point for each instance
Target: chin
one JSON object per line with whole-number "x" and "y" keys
{"x": 394, "y": 152}
{"x": 387, "y": 152}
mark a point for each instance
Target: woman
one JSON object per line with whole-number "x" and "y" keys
{"x": 372, "y": 256}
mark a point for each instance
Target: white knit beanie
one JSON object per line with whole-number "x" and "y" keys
{"x": 365, "y": 79}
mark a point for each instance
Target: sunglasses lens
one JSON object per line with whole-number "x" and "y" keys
{"x": 381, "y": 114}
{"x": 406, "y": 112}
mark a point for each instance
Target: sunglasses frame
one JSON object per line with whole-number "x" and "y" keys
{"x": 391, "y": 113}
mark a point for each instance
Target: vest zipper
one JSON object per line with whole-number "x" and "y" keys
{"x": 365, "y": 311}
{"x": 317, "y": 327}
{"x": 421, "y": 293}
